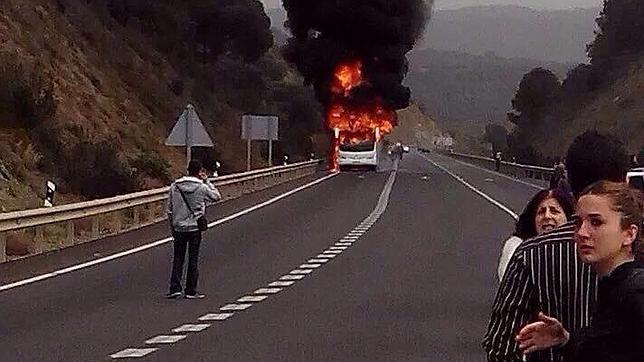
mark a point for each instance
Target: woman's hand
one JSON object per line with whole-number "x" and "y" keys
{"x": 547, "y": 332}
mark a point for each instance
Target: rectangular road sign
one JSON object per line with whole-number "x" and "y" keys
{"x": 260, "y": 128}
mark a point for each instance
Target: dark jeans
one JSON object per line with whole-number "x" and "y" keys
{"x": 183, "y": 241}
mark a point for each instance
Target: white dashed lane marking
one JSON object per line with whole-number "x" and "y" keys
{"x": 273, "y": 288}
{"x": 191, "y": 328}
{"x": 268, "y": 291}
{"x": 215, "y": 317}
{"x": 252, "y": 298}
{"x": 332, "y": 252}
{"x": 318, "y": 260}
{"x": 301, "y": 271}
{"x": 281, "y": 284}
{"x": 230, "y": 307}
{"x": 133, "y": 353}
{"x": 292, "y": 277}
{"x": 165, "y": 339}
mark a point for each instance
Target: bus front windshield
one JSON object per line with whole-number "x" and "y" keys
{"x": 365, "y": 146}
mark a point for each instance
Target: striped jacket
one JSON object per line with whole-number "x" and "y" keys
{"x": 544, "y": 274}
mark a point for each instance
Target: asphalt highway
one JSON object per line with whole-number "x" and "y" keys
{"x": 394, "y": 265}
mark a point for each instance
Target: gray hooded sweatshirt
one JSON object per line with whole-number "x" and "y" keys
{"x": 198, "y": 193}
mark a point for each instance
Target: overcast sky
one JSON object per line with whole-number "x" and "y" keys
{"x": 537, "y": 4}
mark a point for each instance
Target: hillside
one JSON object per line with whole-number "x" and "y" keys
{"x": 513, "y": 32}
{"x": 89, "y": 91}
{"x": 461, "y": 87}
{"x": 616, "y": 109}
{"x": 415, "y": 127}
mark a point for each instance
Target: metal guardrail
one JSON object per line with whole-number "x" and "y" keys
{"x": 511, "y": 168}
{"x": 147, "y": 207}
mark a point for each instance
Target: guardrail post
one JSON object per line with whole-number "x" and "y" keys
{"x": 39, "y": 238}
{"x": 95, "y": 227}
{"x": 118, "y": 223}
{"x": 137, "y": 216}
{"x": 69, "y": 235}
{"x": 3, "y": 247}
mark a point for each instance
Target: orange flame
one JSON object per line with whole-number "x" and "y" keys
{"x": 347, "y": 76}
{"x": 354, "y": 123}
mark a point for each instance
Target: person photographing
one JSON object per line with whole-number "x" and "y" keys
{"x": 186, "y": 208}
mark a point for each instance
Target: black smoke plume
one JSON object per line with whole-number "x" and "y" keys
{"x": 377, "y": 32}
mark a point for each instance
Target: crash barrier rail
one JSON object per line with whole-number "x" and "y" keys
{"x": 509, "y": 168}
{"x": 66, "y": 225}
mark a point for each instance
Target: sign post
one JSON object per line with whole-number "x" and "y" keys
{"x": 259, "y": 128}
{"x": 189, "y": 131}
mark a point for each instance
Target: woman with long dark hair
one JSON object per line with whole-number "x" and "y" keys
{"x": 608, "y": 236}
{"x": 547, "y": 210}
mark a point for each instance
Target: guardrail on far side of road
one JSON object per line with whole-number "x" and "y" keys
{"x": 66, "y": 225}
{"x": 514, "y": 169}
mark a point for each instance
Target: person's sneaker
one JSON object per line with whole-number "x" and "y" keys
{"x": 174, "y": 295}
{"x": 195, "y": 296}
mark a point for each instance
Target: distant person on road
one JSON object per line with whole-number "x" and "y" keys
{"x": 545, "y": 273}
{"x": 608, "y": 235}
{"x": 497, "y": 161}
{"x": 559, "y": 178}
{"x": 396, "y": 151}
{"x": 547, "y": 210}
{"x": 187, "y": 203}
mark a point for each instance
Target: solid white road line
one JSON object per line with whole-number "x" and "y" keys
{"x": 479, "y": 192}
{"x": 500, "y": 175}
{"x": 159, "y": 242}
{"x": 286, "y": 280}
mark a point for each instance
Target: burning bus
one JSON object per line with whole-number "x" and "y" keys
{"x": 358, "y": 152}
{"x": 358, "y": 124}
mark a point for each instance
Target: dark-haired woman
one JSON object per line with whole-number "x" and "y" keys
{"x": 547, "y": 210}
{"x": 609, "y": 238}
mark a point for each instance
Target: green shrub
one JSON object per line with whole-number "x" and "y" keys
{"x": 152, "y": 165}
{"x": 26, "y": 96}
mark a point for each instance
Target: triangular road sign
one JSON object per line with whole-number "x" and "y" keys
{"x": 189, "y": 131}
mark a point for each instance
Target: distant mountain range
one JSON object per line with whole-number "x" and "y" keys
{"x": 471, "y": 60}
{"x": 513, "y": 31}
{"x": 462, "y": 87}
{"x": 507, "y": 31}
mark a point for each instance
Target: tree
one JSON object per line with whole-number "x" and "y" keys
{"x": 538, "y": 91}
{"x": 621, "y": 25}
{"x": 497, "y": 136}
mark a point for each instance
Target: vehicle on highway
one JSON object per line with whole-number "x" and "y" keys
{"x": 636, "y": 178}
{"x": 360, "y": 154}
